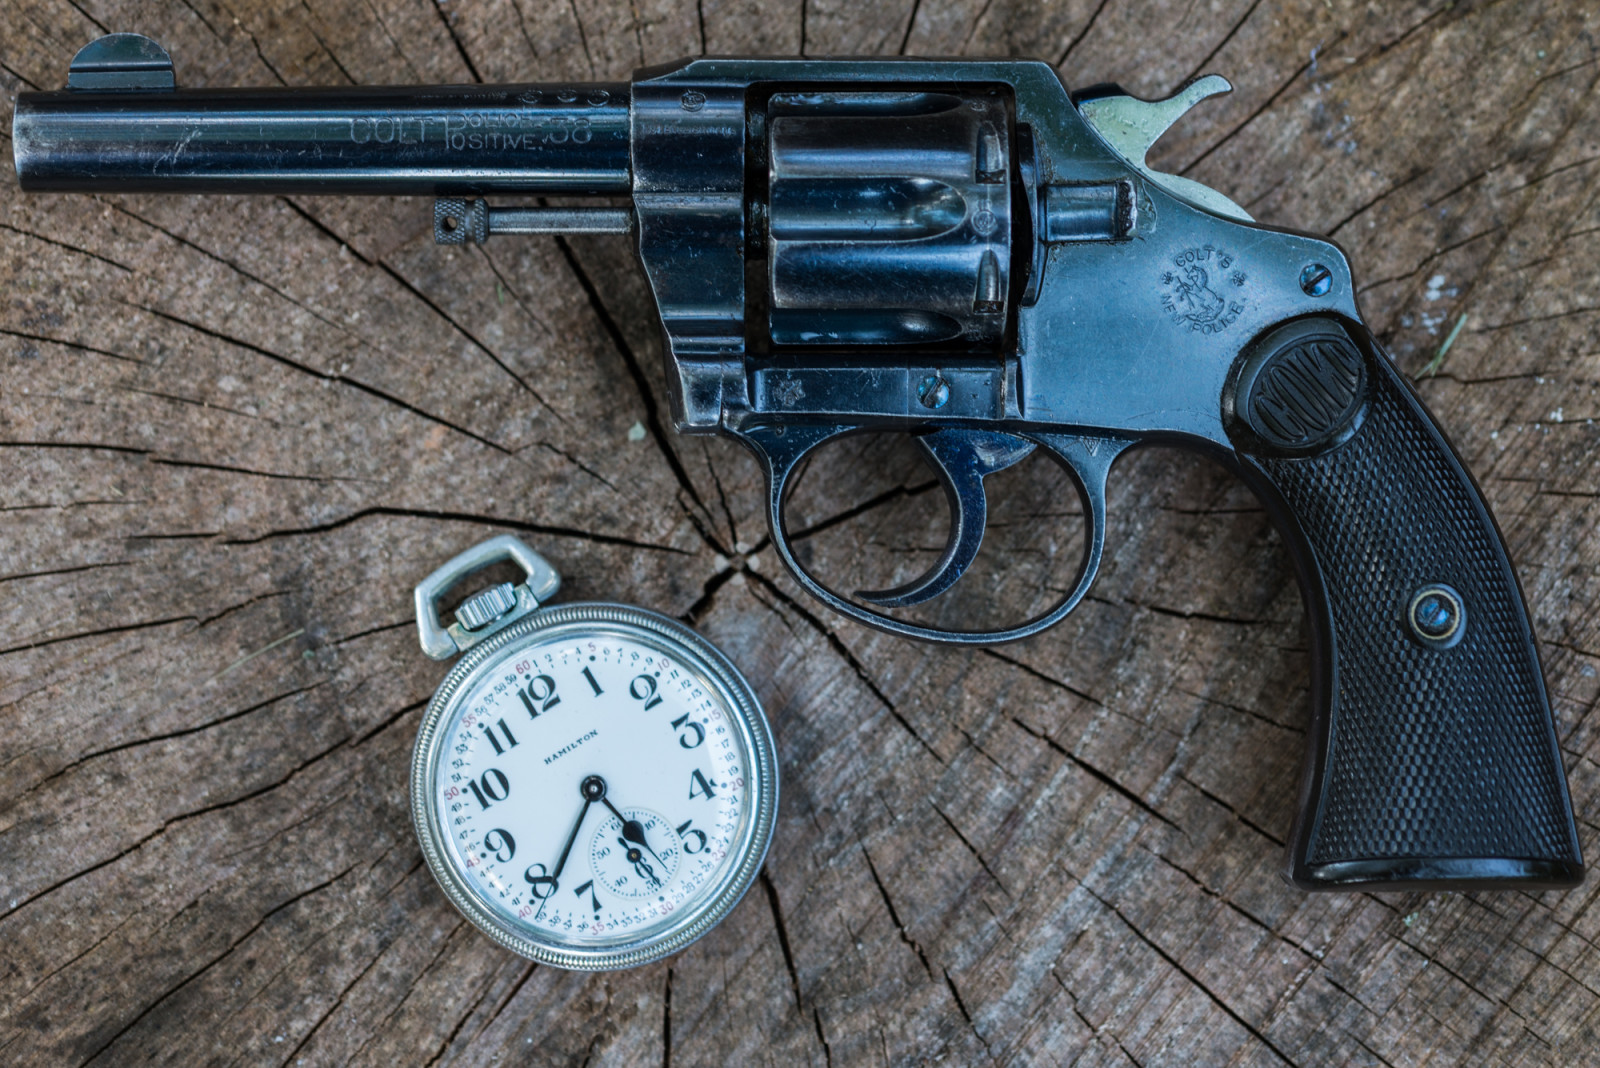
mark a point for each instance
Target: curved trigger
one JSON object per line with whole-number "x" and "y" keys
{"x": 961, "y": 458}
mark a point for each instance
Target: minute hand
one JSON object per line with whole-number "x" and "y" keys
{"x": 591, "y": 789}
{"x": 554, "y": 878}
{"x": 566, "y": 850}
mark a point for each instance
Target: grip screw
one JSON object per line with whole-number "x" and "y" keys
{"x": 1437, "y": 616}
{"x": 1316, "y": 280}
{"x": 933, "y": 391}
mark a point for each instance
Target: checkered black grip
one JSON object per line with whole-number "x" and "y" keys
{"x": 1429, "y": 765}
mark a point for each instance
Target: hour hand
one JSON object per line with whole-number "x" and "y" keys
{"x": 632, "y": 831}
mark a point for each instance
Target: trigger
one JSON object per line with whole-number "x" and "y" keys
{"x": 961, "y": 458}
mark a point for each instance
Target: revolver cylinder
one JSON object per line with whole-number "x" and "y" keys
{"x": 889, "y": 218}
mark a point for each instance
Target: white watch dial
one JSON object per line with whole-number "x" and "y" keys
{"x": 591, "y": 788}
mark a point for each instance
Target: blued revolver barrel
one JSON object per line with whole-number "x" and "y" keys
{"x": 443, "y": 140}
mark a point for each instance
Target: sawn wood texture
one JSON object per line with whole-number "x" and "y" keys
{"x": 235, "y": 432}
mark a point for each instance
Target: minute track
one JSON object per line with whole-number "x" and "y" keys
{"x": 554, "y": 715}
{"x": 613, "y": 721}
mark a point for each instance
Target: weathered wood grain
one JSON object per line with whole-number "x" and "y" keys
{"x": 235, "y": 432}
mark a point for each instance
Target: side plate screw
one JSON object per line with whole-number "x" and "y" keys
{"x": 1316, "y": 280}
{"x": 933, "y": 391}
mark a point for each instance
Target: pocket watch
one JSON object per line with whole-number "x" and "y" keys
{"x": 593, "y": 784}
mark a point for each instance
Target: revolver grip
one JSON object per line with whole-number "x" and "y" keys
{"x": 1433, "y": 760}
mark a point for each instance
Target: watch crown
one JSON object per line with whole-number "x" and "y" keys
{"x": 486, "y": 607}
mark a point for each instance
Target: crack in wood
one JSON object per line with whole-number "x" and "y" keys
{"x": 70, "y": 248}
{"x": 345, "y": 380}
{"x": 1233, "y": 30}
{"x": 76, "y": 345}
{"x": 783, "y": 937}
{"x": 154, "y": 738}
{"x": 1035, "y": 673}
{"x": 527, "y": 972}
{"x": 666, "y": 1022}
{"x": 1100, "y": 776}
{"x": 961, "y": 1005}
{"x": 483, "y": 347}
{"x": 894, "y": 914}
{"x": 653, "y": 421}
{"x": 167, "y": 824}
{"x": 1235, "y": 813}
{"x": 1248, "y": 119}
{"x": 1193, "y": 979}
{"x": 1094, "y": 16}
{"x": 837, "y": 645}
{"x": 461, "y": 49}
{"x": 380, "y": 1026}
{"x": 19, "y": 576}
{"x": 962, "y": 838}
{"x": 100, "y": 632}
{"x": 503, "y": 522}
{"x": 210, "y": 964}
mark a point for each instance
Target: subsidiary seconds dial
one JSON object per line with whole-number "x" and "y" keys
{"x": 593, "y": 785}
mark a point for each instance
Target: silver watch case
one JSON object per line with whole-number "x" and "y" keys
{"x": 714, "y": 672}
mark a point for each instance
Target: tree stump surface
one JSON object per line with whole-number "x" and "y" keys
{"x": 236, "y": 431}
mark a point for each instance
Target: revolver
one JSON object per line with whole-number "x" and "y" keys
{"x": 961, "y": 250}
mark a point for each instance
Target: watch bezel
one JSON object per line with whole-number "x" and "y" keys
{"x": 713, "y": 671}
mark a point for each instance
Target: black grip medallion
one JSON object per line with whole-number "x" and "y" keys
{"x": 1433, "y": 757}
{"x": 1301, "y": 388}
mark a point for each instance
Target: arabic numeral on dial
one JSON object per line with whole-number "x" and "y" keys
{"x": 699, "y": 786}
{"x": 588, "y": 888}
{"x": 539, "y": 695}
{"x": 543, "y": 884}
{"x": 687, "y": 833}
{"x": 643, "y": 688}
{"x": 491, "y": 786}
{"x": 497, "y": 842}
{"x": 688, "y": 724}
{"x": 498, "y": 748}
{"x": 592, "y": 683}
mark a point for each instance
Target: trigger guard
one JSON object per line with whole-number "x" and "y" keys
{"x": 780, "y": 450}
{"x": 962, "y": 459}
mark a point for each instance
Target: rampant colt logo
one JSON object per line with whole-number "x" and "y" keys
{"x": 1196, "y": 289}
